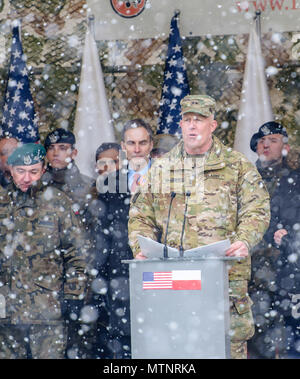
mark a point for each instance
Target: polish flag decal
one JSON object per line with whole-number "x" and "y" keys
{"x": 186, "y": 280}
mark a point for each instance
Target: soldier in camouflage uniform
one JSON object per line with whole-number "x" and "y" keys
{"x": 41, "y": 261}
{"x": 63, "y": 173}
{"x": 227, "y": 200}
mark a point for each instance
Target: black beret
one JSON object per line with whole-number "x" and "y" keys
{"x": 266, "y": 129}
{"x": 59, "y": 135}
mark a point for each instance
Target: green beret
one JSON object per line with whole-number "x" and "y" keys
{"x": 27, "y": 155}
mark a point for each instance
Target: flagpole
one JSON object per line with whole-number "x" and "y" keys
{"x": 91, "y": 24}
{"x": 177, "y": 12}
{"x": 258, "y": 23}
{"x": 16, "y": 23}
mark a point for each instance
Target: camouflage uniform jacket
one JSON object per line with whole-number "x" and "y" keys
{"x": 41, "y": 255}
{"x": 228, "y": 200}
{"x": 74, "y": 184}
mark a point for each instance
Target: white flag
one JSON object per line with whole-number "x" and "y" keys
{"x": 255, "y": 106}
{"x": 93, "y": 124}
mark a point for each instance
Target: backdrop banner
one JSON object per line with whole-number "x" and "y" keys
{"x": 197, "y": 18}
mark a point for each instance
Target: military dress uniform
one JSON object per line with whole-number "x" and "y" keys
{"x": 42, "y": 265}
{"x": 227, "y": 200}
{"x": 268, "y": 340}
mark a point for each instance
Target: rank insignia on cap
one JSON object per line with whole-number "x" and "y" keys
{"x": 202, "y": 104}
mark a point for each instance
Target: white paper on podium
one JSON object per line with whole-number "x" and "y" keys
{"x": 154, "y": 249}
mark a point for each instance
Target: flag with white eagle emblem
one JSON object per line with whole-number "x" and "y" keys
{"x": 18, "y": 119}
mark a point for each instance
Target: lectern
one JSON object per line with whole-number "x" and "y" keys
{"x": 179, "y": 308}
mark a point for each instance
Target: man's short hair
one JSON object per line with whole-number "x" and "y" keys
{"x": 137, "y": 123}
{"x": 107, "y": 146}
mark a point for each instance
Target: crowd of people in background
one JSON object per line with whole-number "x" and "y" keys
{"x": 64, "y": 291}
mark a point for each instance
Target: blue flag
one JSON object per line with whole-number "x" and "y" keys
{"x": 175, "y": 85}
{"x": 18, "y": 119}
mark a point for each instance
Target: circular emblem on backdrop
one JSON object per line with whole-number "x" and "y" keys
{"x": 128, "y": 8}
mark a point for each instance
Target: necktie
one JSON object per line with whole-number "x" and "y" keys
{"x": 135, "y": 183}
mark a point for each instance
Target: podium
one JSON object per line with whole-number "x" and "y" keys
{"x": 179, "y": 308}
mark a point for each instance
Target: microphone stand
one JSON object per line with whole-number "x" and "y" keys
{"x": 173, "y": 194}
{"x": 188, "y": 194}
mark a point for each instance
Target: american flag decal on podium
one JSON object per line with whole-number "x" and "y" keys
{"x": 172, "y": 280}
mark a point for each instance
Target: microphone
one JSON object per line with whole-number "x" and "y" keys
{"x": 188, "y": 194}
{"x": 173, "y": 194}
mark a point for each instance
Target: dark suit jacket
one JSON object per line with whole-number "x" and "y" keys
{"x": 111, "y": 234}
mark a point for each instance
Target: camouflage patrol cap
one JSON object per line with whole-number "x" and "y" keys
{"x": 59, "y": 135}
{"x": 27, "y": 155}
{"x": 266, "y": 129}
{"x": 202, "y": 104}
